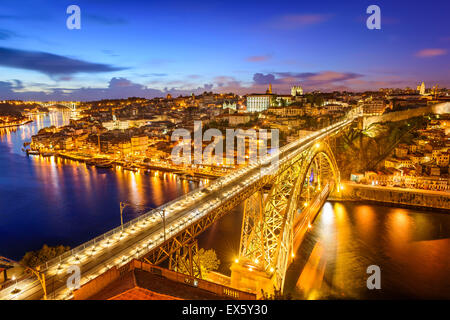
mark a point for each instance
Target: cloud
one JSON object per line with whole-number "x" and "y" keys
{"x": 6, "y": 34}
{"x": 428, "y": 53}
{"x": 8, "y": 86}
{"x": 260, "y": 78}
{"x": 160, "y": 62}
{"x": 331, "y": 76}
{"x": 117, "y": 88}
{"x": 110, "y": 53}
{"x": 8, "y": 91}
{"x": 15, "y": 17}
{"x": 301, "y": 75}
{"x": 295, "y": 21}
{"x": 49, "y": 64}
{"x": 109, "y": 21}
{"x": 258, "y": 58}
{"x": 226, "y": 82}
{"x": 151, "y": 75}
{"x": 290, "y": 77}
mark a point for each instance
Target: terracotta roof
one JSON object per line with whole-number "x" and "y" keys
{"x": 143, "y": 285}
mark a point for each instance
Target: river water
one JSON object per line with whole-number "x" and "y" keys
{"x": 55, "y": 201}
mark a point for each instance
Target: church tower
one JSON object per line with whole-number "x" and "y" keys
{"x": 421, "y": 88}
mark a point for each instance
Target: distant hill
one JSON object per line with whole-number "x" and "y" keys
{"x": 7, "y": 109}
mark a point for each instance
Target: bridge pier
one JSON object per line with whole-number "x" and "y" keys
{"x": 250, "y": 278}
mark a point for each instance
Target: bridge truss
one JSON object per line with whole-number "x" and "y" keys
{"x": 267, "y": 230}
{"x": 268, "y": 224}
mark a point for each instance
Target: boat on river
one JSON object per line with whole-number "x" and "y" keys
{"x": 32, "y": 152}
{"x": 91, "y": 162}
{"x": 131, "y": 168}
{"x": 47, "y": 154}
{"x": 104, "y": 164}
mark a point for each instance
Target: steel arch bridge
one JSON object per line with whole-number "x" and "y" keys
{"x": 303, "y": 171}
{"x": 68, "y": 104}
{"x": 273, "y": 221}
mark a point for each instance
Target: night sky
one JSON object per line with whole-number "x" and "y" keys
{"x": 150, "y": 48}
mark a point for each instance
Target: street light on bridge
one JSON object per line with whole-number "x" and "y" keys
{"x": 36, "y": 271}
{"x": 123, "y": 205}
{"x": 163, "y": 217}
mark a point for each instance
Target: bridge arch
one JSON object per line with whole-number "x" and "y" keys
{"x": 270, "y": 221}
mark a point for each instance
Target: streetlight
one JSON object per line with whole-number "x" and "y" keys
{"x": 123, "y": 205}
{"x": 41, "y": 277}
{"x": 163, "y": 217}
{"x": 36, "y": 271}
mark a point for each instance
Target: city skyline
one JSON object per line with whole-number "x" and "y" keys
{"x": 149, "y": 50}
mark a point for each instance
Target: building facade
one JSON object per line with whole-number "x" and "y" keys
{"x": 296, "y": 91}
{"x": 258, "y": 102}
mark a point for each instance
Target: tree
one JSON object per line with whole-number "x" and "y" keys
{"x": 46, "y": 253}
{"x": 207, "y": 259}
{"x": 318, "y": 100}
{"x": 362, "y": 150}
{"x": 273, "y": 101}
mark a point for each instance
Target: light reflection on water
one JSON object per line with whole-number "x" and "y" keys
{"x": 58, "y": 201}
{"x": 412, "y": 248}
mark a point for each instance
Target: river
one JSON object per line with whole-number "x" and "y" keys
{"x": 56, "y": 201}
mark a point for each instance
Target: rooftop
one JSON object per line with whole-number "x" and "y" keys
{"x": 141, "y": 281}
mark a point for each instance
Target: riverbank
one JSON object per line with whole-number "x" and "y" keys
{"x": 394, "y": 197}
{"x": 16, "y": 124}
{"x": 388, "y": 205}
{"x": 132, "y": 166}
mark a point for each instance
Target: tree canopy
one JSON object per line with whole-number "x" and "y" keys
{"x": 35, "y": 258}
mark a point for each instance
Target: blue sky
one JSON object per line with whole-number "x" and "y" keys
{"x": 150, "y": 48}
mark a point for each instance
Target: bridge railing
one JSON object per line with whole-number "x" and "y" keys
{"x": 116, "y": 231}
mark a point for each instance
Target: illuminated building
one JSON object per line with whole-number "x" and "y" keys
{"x": 296, "y": 91}
{"x": 421, "y": 88}
{"x": 373, "y": 107}
{"x": 124, "y": 124}
{"x": 139, "y": 145}
{"x": 258, "y": 102}
{"x": 229, "y": 105}
{"x": 236, "y": 119}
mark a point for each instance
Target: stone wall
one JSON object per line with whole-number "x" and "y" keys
{"x": 396, "y": 196}
{"x": 439, "y": 108}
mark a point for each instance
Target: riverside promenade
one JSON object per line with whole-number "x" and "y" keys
{"x": 395, "y": 196}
